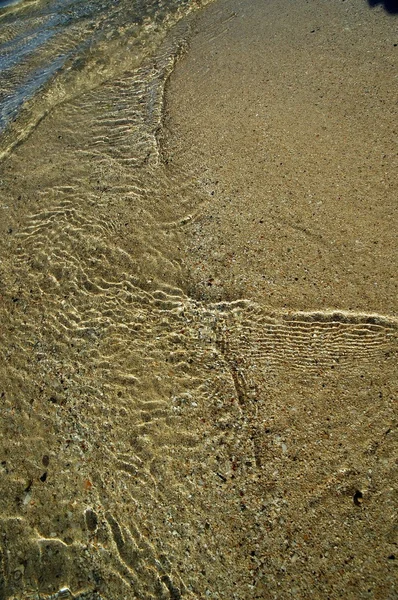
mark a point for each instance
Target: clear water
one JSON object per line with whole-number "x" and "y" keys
{"x": 159, "y": 440}
{"x": 43, "y": 41}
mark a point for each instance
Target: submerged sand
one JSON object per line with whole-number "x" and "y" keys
{"x": 199, "y": 328}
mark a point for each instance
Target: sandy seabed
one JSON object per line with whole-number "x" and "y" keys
{"x": 199, "y": 319}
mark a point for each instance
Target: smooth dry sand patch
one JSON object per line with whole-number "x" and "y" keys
{"x": 288, "y": 112}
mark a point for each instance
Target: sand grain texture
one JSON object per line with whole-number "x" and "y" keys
{"x": 199, "y": 332}
{"x": 294, "y": 136}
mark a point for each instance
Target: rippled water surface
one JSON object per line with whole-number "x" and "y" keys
{"x": 154, "y": 440}
{"x": 50, "y": 50}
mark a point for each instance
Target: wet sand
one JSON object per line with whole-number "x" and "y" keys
{"x": 198, "y": 308}
{"x": 288, "y": 114}
{"x": 285, "y": 114}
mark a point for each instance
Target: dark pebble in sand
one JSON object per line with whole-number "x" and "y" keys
{"x": 358, "y": 498}
{"x": 91, "y": 519}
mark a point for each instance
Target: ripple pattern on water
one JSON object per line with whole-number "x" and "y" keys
{"x": 152, "y": 443}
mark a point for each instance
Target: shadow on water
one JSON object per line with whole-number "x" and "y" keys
{"x": 391, "y": 6}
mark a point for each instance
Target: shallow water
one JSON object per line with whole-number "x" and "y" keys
{"x": 151, "y": 433}
{"x": 51, "y": 50}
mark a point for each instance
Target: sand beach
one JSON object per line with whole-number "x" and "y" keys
{"x": 199, "y": 317}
